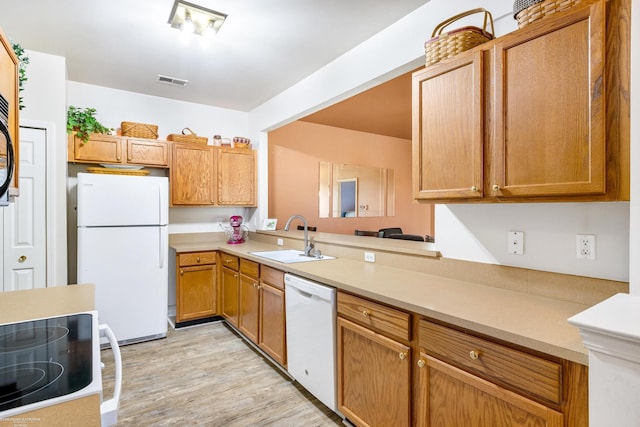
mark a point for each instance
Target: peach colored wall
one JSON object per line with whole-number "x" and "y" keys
{"x": 295, "y": 151}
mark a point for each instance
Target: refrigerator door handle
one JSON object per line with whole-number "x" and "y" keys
{"x": 163, "y": 245}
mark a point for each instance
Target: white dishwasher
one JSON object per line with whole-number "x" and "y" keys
{"x": 311, "y": 337}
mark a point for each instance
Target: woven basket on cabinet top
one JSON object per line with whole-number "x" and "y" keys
{"x": 187, "y": 136}
{"x": 528, "y": 11}
{"x": 139, "y": 130}
{"x": 445, "y": 45}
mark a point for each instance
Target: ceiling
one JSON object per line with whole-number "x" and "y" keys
{"x": 263, "y": 48}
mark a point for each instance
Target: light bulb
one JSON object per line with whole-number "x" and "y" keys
{"x": 188, "y": 26}
{"x": 209, "y": 31}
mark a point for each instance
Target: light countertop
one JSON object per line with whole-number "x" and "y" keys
{"x": 536, "y": 322}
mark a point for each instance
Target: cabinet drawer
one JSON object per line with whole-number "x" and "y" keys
{"x": 249, "y": 268}
{"x": 528, "y": 374}
{"x": 272, "y": 276}
{"x": 196, "y": 258}
{"x": 389, "y": 321}
{"x": 229, "y": 261}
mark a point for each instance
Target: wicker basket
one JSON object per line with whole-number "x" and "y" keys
{"x": 139, "y": 130}
{"x": 187, "y": 135}
{"x": 445, "y": 45}
{"x": 528, "y": 11}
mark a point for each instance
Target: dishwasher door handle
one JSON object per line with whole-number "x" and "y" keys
{"x": 303, "y": 293}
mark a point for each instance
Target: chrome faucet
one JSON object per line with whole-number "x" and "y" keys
{"x": 308, "y": 246}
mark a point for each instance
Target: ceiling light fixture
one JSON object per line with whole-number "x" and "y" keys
{"x": 192, "y": 18}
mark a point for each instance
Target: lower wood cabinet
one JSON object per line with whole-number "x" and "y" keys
{"x": 196, "y": 291}
{"x": 374, "y": 370}
{"x": 253, "y": 301}
{"x": 248, "y": 316}
{"x": 229, "y": 286}
{"x": 449, "y": 396}
{"x": 467, "y": 380}
{"x": 272, "y": 337}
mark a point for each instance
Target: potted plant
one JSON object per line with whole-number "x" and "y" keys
{"x": 83, "y": 122}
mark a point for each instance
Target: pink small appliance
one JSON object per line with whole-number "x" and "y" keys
{"x": 237, "y": 233}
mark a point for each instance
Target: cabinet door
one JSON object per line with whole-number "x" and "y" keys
{"x": 9, "y": 89}
{"x": 448, "y": 129}
{"x": 196, "y": 293}
{"x": 99, "y": 149}
{"x": 447, "y": 396}
{"x": 272, "y": 337}
{"x": 191, "y": 174}
{"x": 236, "y": 177}
{"x": 550, "y": 108}
{"x": 248, "y": 317}
{"x": 374, "y": 382}
{"x": 148, "y": 152}
{"x": 229, "y": 291}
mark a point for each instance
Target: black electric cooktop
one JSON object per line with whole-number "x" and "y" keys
{"x": 43, "y": 359}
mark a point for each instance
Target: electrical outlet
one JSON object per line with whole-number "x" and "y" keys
{"x": 370, "y": 256}
{"x": 586, "y": 246}
{"x": 515, "y": 242}
{"x": 280, "y": 242}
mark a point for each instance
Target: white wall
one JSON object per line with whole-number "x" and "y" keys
{"x": 44, "y": 96}
{"x": 469, "y": 232}
{"x": 116, "y": 106}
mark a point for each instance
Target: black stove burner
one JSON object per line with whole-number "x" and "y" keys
{"x": 30, "y": 338}
{"x": 27, "y": 378}
{"x": 43, "y": 359}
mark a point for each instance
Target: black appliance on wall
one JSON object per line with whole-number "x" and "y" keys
{"x": 6, "y": 152}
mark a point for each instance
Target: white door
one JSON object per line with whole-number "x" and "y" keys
{"x": 25, "y": 264}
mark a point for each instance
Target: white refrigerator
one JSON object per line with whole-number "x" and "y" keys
{"x": 123, "y": 250}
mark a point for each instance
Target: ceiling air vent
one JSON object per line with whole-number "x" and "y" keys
{"x": 172, "y": 81}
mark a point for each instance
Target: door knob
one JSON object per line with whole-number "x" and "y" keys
{"x": 22, "y": 258}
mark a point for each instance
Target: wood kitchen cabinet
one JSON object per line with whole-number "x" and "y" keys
{"x": 191, "y": 174}
{"x": 229, "y": 287}
{"x": 467, "y": 380}
{"x": 537, "y": 115}
{"x": 196, "y": 290}
{"x": 118, "y": 150}
{"x": 236, "y": 177}
{"x": 374, "y": 363}
{"x": 272, "y": 336}
{"x": 204, "y": 175}
{"x": 9, "y": 88}
{"x": 248, "y": 315}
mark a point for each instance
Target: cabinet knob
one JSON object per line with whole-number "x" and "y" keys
{"x": 474, "y": 189}
{"x": 198, "y": 259}
{"x": 495, "y": 187}
{"x": 474, "y": 354}
{"x": 365, "y": 313}
{"x": 421, "y": 363}
{"x": 402, "y": 355}
{"x": 181, "y": 272}
{"x": 255, "y": 285}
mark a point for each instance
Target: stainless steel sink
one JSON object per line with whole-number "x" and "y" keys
{"x": 289, "y": 256}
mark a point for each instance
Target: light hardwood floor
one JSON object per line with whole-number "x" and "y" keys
{"x": 207, "y": 375}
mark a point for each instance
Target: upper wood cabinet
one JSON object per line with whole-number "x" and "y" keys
{"x": 536, "y": 115}
{"x": 236, "y": 176}
{"x": 206, "y": 175}
{"x": 9, "y": 90}
{"x": 191, "y": 174}
{"x": 118, "y": 150}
